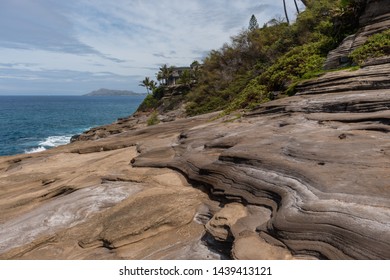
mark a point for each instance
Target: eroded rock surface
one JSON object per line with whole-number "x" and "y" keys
{"x": 65, "y": 205}
{"x": 300, "y": 177}
{"x": 374, "y": 75}
{"x": 319, "y": 162}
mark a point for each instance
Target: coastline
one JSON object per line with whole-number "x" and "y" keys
{"x": 62, "y": 176}
{"x": 35, "y": 123}
{"x": 208, "y": 188}
{"x": 303, "y": 177}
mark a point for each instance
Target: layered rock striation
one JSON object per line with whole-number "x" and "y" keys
{"x": 373, "y": 75}
{"x": 300, "y": 177}
{"x": 315, "y": 166}
{"x": 322, "y": 177}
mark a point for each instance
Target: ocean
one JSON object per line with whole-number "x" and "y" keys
{"x": 31, "y": 124}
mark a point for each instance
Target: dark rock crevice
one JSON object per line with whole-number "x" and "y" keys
{"x": 313, "y": 181}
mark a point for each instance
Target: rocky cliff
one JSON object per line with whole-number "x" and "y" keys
{"x": 375, "y": 19}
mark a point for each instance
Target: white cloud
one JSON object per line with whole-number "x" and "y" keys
{"x": 122, "y": 37}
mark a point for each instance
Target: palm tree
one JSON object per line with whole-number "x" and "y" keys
{"x": 296, "y": 6}
{"x": 164, "y": 73}
{"x": 152, "y": 85}
{"x": 285, "y": 11}
{"x": 305, "y": 2}
{"x": 146, "y": 83}
{"x": 159, "y": 77}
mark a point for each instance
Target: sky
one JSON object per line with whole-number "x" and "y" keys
{"x": 72, "y": 47}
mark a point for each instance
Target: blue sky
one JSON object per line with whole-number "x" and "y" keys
{"x": 75, "y": 46}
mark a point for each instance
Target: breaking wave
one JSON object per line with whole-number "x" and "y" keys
{"x": 49, "y": 142}
{"x": 35, "y": 150}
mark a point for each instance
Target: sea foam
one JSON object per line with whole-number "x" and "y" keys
{"x": 54, "y": 141}
{"x": 35, "y": 150}
{"x": 49, "y": 142}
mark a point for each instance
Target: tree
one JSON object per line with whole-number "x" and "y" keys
{"x": 253, "y": 23}
{"x": 296, "y": 6}
{"x": 285, "y": 11}
{"x": 305, "y": 2}
{"x": 195, "y": 70}
{"x": 152, "y": 85}
{"x": 164, "y": 73}
{"x": 148, "y": 84}
{"x": 185, "y": 78}
{"x": 195, "y": 64}
{"x": 159, "y": 77}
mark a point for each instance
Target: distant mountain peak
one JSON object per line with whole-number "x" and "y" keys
{"x": 112, "y": 92}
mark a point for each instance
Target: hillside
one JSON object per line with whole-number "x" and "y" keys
{"x": 112, "y": 92}
{"x": 262, "y": 64}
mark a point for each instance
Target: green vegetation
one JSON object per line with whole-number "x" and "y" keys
{"x": 251, "y": 96}
{"x": 153, "y": 119}
{"x": 253, "y": 23}
{"x": 149, "y": 103}
{"x": 164, "y": 73}
{"x": 299, "y": 63}
{"x": 148, "y": 84}
{"x": 185, "y": 78}
{"x": 260, "y": 63}
{"x": 176, "y": 93}
{"x": 377, "y": 45}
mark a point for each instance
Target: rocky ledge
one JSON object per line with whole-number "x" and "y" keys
{"x": 305, "y": 179}
{"x": 375, "y": 19}
{"x": 301, "y": 177}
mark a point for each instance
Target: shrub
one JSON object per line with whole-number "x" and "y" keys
{"x": 252, "y": 95}
{"x": 293, "y": 66}
{"x": 148, "y": 104}
{"x": 375, "y": 46}
{"x": 153, "y": 119}
{"x": 272, "y": 58}
{"x": 158, "y": 92}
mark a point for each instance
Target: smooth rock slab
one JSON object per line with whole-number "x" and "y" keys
{"x": 63, "y": 212}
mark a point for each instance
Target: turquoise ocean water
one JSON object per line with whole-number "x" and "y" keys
{"x": 35, "y": 123}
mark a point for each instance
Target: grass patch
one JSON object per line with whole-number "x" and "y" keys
{"x": 153, "y": 119}
{"x": 376, "y": 45}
